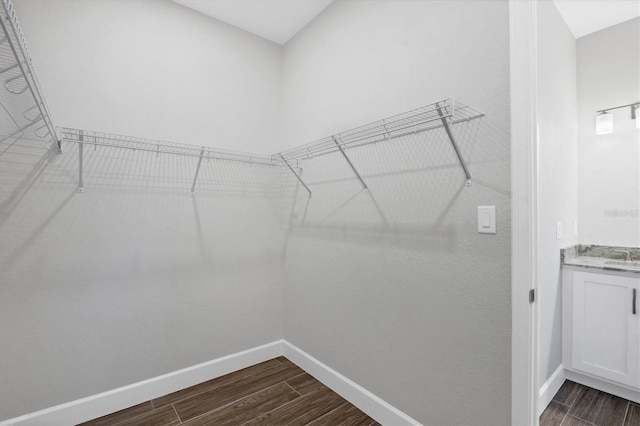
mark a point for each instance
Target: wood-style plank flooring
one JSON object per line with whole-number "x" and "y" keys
{"x": 579, "y": 405}
{"x": 275, "y": 392}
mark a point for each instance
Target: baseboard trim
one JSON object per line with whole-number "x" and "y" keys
{"x": 550, "y": 388}
{"x": 88, "y": 408}
{"x": 604, "y": 386}
{"x": 372, "y": 405}
{"x": 91, "y": 407}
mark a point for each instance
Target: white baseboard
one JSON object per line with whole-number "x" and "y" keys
{"x": 604, "y": 386}
{"x": 91, "y": 407}
{"x": 372, "y": 405}
{"x": 84, "y": 409}
{"x": 550, "y": 388}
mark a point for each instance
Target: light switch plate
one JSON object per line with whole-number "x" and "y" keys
{"x": 487, "y": 219}
{"x": 558, "y": 230}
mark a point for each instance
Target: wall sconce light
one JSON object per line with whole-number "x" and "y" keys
{"x": 604, "y": 123}
{"x": 604, "y": 119}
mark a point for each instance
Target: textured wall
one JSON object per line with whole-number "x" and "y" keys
{"x": 558, "y": 178}
{"x": 135, "y": 277}
{"x": 156, "y": 69}
{"x": 609, "y": 165}
{"x": 395, "y": 288}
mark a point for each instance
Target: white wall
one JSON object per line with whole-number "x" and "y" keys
{"x": 388, "y": 63}
{"x": 609, "y": 165}
{"x": 558, "y": 177}
{"x": 156, "y": 69}
{"x": 136, "y": 277}
{"x": 418, "y": 310}
{"x": 133, "y": 278}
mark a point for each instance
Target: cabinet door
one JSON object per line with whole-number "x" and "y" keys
{"x": 606, "y": 333}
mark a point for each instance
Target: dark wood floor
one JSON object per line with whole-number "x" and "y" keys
{"x": 579, "y": 405}
{"x": 275, "y": 392}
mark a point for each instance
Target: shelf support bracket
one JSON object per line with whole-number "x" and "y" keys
{"x": 80, "y": 155}
{"x": 195, "y": 178}
{"x": 295, "y": 174}
{"x": 364, "y": 185}
{"x": 447, "y": 129}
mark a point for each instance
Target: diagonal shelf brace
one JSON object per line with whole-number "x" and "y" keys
{"x": 364, "y": 185}
{"x": 296, "y": 174}
{"x": 80, "y": 155}
{"x": 195, "y": 178}
{"x": 447, "y": 128}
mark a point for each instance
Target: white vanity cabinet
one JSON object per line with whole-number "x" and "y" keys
{"x": 601, "y": 325}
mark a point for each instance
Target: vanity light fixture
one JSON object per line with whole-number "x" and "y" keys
{"x": 604, "y": 123}
{"x": 604, "y": 119}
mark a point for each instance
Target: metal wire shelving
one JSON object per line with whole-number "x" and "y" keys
{"x": 443, "y": 114}
{"x": 158, "y": 146}
{"x": 88, "y": 137}
{"x": 24, "y": 115}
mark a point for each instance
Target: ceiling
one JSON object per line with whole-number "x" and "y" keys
{"x": 280, "y": 20}
{"x": 588, "y": 16}
{"x": 275, "y": 20}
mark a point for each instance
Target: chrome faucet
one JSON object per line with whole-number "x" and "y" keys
{"x": 628, "y": 257}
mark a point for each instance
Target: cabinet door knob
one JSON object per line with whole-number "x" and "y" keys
{"x": 633, "y": 303}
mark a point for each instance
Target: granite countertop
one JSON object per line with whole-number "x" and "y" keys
{"x": 605, "y": 258}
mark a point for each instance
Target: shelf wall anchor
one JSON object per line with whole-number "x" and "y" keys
{"x": 364, "y": 185}
{"x": 447, "y": 129}
{"x": 296, "y": 174}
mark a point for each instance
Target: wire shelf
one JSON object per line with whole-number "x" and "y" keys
{"x": 441, "y": 114}
{"x": 24, "y": 115}
{"x": 157, "y": 146}
{"x": 421, "y": 119}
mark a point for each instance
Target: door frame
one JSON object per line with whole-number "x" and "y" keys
{"x": 524, "y": 209}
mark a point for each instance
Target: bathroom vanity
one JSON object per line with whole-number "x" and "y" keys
{"x": 601, "y": 318}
